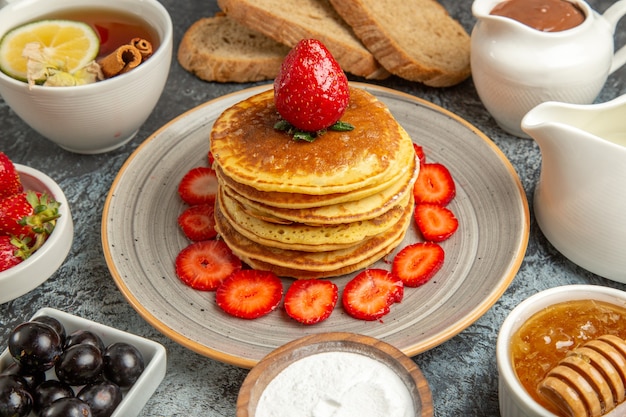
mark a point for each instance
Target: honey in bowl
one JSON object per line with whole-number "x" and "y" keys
{"x": 546, "y": 338}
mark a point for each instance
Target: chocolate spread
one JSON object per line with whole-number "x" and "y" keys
{"x": 543, "y": 15}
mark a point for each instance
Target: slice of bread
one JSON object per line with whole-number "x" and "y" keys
{"x": 289, "y": 22}
{"x": 414, "y": 39}
{"x": 220, "y": 49}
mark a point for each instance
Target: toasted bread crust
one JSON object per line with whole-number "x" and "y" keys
{"x": 317, "y": 19}
{"x": 414, "y": 39}
{"x": 220, "y": 49}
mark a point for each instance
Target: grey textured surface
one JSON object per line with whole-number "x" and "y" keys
{"x": 461, "y": 372}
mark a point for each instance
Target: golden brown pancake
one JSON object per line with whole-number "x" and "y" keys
{"x": 299, "y": 201}
{"x": 304, "y": 237}
{"x": 301, "y": 264}
{"x": 312, "y": 209}
{"x": 363, "y": 209}
{"x": 250, "y": 151}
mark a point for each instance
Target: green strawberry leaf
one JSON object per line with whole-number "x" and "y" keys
{"x": 285, "y": 126}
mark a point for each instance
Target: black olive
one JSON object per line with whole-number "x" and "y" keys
{"x": 79, "y": 364}
{"x": 84, "y": 336}
{"x": 49, "y": 391}
{"x": 123, "y": 364}
{"x": 102, "y": 397}
{"x": 54, "y": 323}
{"x": 67, "y": 407}
{"x": 32, "y": 378}
{"x": 15, "y": 400}
{"x": 36, "y": 346}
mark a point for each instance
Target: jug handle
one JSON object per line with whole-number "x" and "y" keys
{"x": 613, "y": 14}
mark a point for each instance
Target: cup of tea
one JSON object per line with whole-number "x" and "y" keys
{"x": 104, "y": 115}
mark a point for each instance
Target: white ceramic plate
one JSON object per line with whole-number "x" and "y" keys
{"x": 141, "y": 239}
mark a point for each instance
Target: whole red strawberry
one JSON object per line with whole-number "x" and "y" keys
{"x": 311, "y": 90}
{"x": 28, "y": 216}
{"x": 9, "y": 178}
{"x": 12, "y": 252}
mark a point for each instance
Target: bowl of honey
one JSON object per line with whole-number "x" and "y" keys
{"x": 104, "y": 114}
{"x": 544, "y": 340}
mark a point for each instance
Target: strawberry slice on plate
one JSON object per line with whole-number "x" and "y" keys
{"x": 249, "y": 293}
{"x": 370, "y": 294}
{"x": 436, "y": 223}
{"x": 10, "y": 182}
{"x": 311, "y": 301}
{"x": 198, "y": 222}
{"x": 198, "y": 186}
{"x": 204, "y": 265}
{"x": 419, "y": 152}
{"x": 434, "y": 185}
{"x": 417, "y": 263}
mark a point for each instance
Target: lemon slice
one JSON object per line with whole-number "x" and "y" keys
{"x": 67, "y": 45}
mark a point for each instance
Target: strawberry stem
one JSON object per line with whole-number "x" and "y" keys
{"x": 43, "y": 219}
{"x": 285, "y": 126}
{"x": 22, "y": 250}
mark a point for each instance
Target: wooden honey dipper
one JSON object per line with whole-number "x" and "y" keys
{"x": 590, "y": 381}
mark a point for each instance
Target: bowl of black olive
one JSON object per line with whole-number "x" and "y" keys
{"x": 60, "y": 365}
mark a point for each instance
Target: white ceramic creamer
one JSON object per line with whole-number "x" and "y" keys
{"x": 515, "y": 67}
{"x": 580, "y": 199}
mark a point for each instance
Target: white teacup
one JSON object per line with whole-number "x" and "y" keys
{"x": 98, "y": 117}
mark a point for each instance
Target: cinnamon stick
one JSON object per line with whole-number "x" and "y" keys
{"x": 122, "y": 60}
{"x": 144, "y": 46}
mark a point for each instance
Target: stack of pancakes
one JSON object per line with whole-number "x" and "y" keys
{"x": 312, "y": 209}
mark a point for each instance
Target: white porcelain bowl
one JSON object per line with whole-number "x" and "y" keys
{"x": 153, "y": 353}
{"x": 29, "y": 274}
{"x": 98, "y": 117}
{"x": 513, "y": 398}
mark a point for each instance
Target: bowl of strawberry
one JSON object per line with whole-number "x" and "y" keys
{"x": 36, "y": 228}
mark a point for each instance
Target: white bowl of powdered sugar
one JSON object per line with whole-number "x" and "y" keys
{"x": 338, "y": 374}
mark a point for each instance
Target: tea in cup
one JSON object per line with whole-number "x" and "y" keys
{"x": 103, "y": 115}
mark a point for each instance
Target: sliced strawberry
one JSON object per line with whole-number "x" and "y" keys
{"x": 210, "y": 158}
{"x": 198, "y": 186}
{"x": 311, "y": 301}
{"x": 198, "y": 222}
{"x": 311, "y": 90}
{"x": 10, "y": 182}
{"x": 370, "y": 294}
{"x": 204, "y": 265}
{"x": 434, "y": 185}
{"x": 249, "y": 293}
{"x": 417, "y": 263}
{"x": 437, "y": 223}
{"x": 419, "y": 152}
